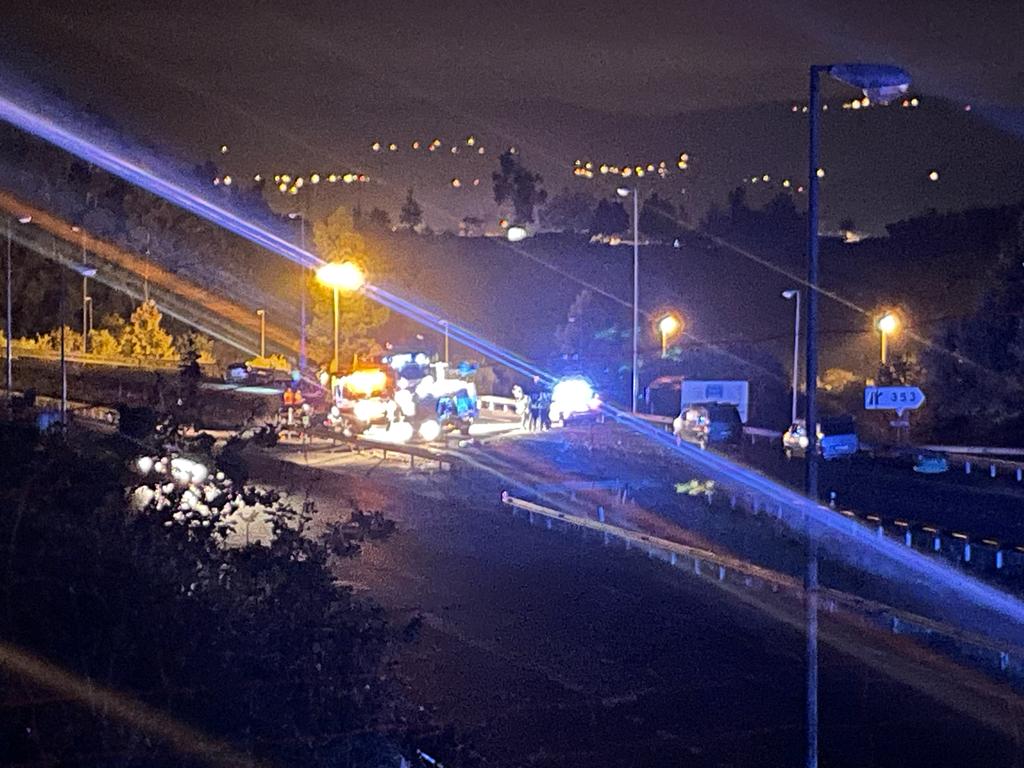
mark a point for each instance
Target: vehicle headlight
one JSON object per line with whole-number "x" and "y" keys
{"x": 366, "y": 410}
{"x": 430, "y": 430}
{"x": 572, "y": 395}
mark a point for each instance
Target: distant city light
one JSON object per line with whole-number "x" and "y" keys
{"x": 820, "y": 173}
{"x": 223, "y": 149}
{"x": 515, "y": 234}
{"x": 315, "y": 178}
{"x": 934, "y": 176}
{"x": 227, "y": 180}
{"x": 456, "y": 183}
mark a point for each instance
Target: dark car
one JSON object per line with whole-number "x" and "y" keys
{"x": 710, "y": 424}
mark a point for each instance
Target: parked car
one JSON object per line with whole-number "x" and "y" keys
{"x": 837, "y": 437}
{"x": 931, "y": 464}
{"x": 710, "y": 424}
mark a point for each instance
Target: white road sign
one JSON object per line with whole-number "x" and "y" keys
{"x": 892, "y": 398}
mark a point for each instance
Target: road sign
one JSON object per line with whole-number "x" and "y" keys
{"x": 892, "y": 398}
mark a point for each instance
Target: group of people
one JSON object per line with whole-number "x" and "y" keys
{"x": 534, "y": 409}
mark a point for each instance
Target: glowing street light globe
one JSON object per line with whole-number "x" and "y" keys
{"x": 888, "y": 323}
{"x": 669, "y": 324}
{"x": 342, "y": 276}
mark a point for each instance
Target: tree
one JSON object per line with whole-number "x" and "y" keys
{"x": 337, "y": 240}
{"x": 411, "y": 214}
{"x": 379, "y": 219}
{"x": 610, "y": 218}
{"x": 257, "y": 646}
{"x": 189, "y": 377}
{"x": 514, "y": 183}
{"x": 975, "y": 368}
{"x": 658, "y": 218}
{"x": 572, "y": 336}
{"x": 144, "y": 337}
{"x": 569, "y": 211}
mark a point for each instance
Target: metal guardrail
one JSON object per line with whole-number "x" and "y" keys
{"x": 1006, "y": 658}
{"x": 496, "y": 403}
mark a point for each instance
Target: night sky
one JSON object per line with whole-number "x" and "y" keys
{"x": 295, "y": 82}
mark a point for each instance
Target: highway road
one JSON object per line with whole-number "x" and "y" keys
{"x": 545, "y": 648}
{"x": 976, "y": 504}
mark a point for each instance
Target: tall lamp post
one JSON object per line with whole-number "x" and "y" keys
{"x": 8, "y": 327}
{"x": 262, "y": 315}
{"x": 795, "y": 294}
{"x": 888, "y": 324}
{"x": 85, "y": 290}
{"x": 881, "y": 83}
{"x": 302, "y": 291}
{"x": 635, "y": 388}
{"x": 340, "y": 276}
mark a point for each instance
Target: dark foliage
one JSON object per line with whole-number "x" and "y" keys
{"x": 256, "y": 648}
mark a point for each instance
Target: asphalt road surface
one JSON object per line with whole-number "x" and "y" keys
{"x": 975, "y": 504}
{"x": 546, "y": 648}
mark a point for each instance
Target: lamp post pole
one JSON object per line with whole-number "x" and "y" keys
{"x": 795, "y": 294}
{"x": 63, "y": 325}
{"x": 9, "y": 378}
{"x": 636, "y": 299}
{"x": 263, "y": 331}
{"x": 811, "y": 407}
{"x": 337, "y": 325}
{"x": 811, "y": 415}
{"x": 302, "y": 298}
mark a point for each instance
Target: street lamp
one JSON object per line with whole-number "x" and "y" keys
{"x": 302, "y": 292}
{"x": 85, "y": 293}
{"x": 635, "y": 192}
{"x": 8, "y": 330}
{"x": 881, "y": 83}
{"x": 262, "y": 315}
{"x": 888, "y": 324}
{"x": 667, "y": 326}
{"x": 340, "y": 276}
{"x": 795, "y": 294}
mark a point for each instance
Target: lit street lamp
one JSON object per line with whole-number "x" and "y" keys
{"x": 795, "y": 294}
{"x": 881, "y": 83}
{"x": 262, "y": 314}
{"x": 635, "y": 192}
{"x": 668, "y": 326}
{"x": 302, "y": 292}
{"x": 340, "y": 276}
{"x": 888, "y": 324}
{"x": 85, "y": 292}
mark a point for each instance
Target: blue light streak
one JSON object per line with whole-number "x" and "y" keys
{"x": 794, "y": 509}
